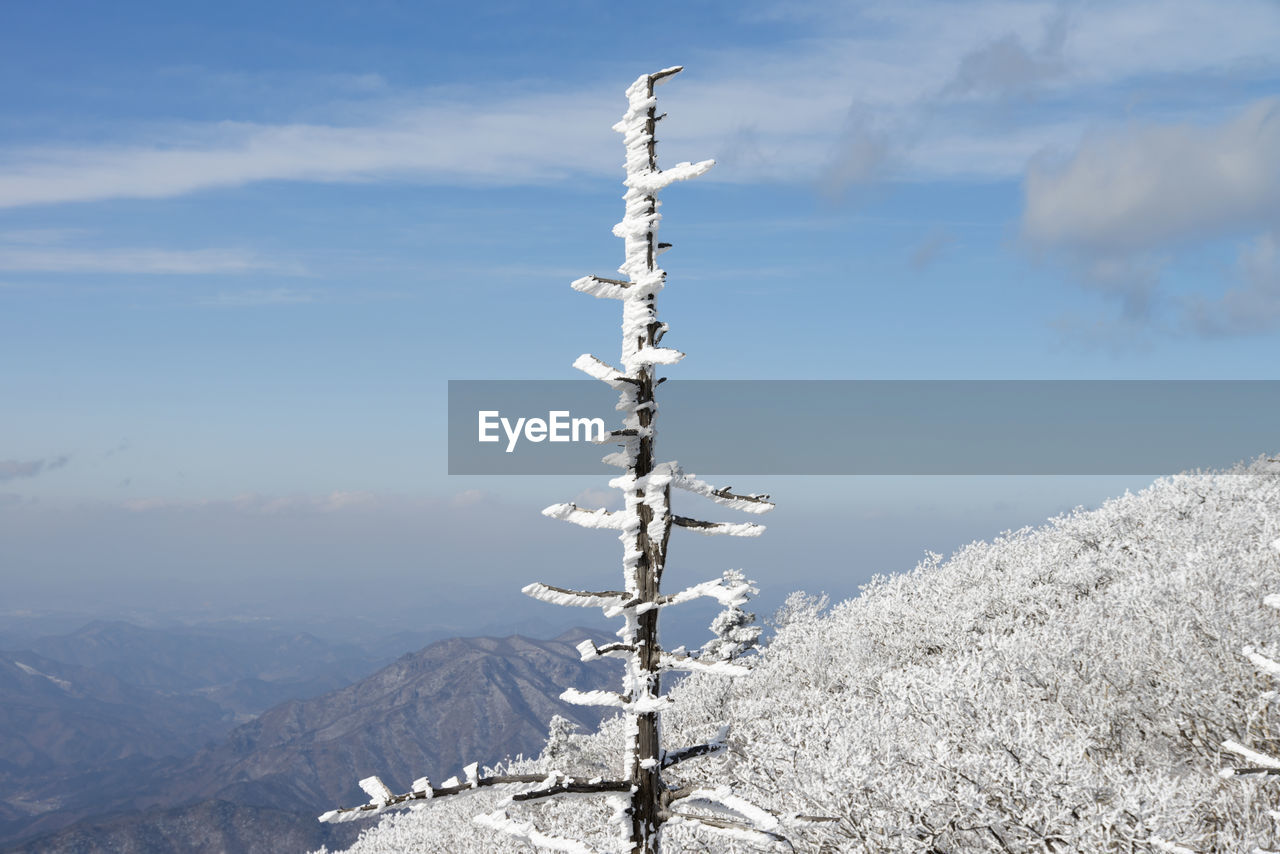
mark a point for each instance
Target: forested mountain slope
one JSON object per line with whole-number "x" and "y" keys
{"x": 1064, "y": 688}
{"x": 263, "y": 784}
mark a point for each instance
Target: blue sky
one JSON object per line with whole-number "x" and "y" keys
{"x": 242, "y": 250}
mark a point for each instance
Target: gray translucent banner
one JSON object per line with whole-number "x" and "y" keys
{"x": 871, "y": 427}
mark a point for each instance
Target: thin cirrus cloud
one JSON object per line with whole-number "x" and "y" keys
{"x": 1250, "y": 307}
{"x": 15, "y": 469}
{"x": 260, "y": 297}
{"x": 24, "y": 259}
{"x": 1126, "y": 202}
{"x": 509, "y": 143}
{"x": 259, "y": 505}
{"x": 880, "y": 90}
{"x": 1150, "y": 185}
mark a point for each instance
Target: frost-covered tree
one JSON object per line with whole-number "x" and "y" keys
{"x": 1064, "y": 689}
{"x": 735, "y": 631}
{"x": 644, "y": 803}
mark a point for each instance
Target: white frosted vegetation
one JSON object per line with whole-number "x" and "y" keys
{"x": 1068, "y": 684}
{"x": 1067, "y": 688}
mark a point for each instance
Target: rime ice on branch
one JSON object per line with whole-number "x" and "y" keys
{"x": 1258, "y": 762}
{"x": 645, "y": 802}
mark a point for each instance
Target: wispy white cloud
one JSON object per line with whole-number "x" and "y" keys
{"x": 269, "y": 296}
{"x": 1252, "y": 306}
{"x": 930, "y": 248}
{"x": 1009, "y": 67}
{"x": 40, "y": 236}
{"x": 1151, "y": 184}
{"x": 15, "y": 469}
{"x": 260, "y": 505}
{"x": 520, "y": 143}
{"x": 1126, "y": 203}
{"x": 20, "y": 259}
{"x": 469, "y": 497}
{"x": 912, "y": 74}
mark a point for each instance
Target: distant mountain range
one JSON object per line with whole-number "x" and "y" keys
{"x": 103, "y": 752}
{"x": 243, "y": 675}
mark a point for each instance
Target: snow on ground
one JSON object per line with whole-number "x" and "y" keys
{"x": 1063, "y": 688}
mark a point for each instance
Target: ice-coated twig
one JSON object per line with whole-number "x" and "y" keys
{"x": 646, "y": 356}
{"x": 598, "y": 286}
{"x": 721, "y": 800}
{"x": 573, "y": 787}
{"x": 528, "y": 787}
{"x": 600, "y": 370}
{"x": 651, "y": 182}
{"x": 1266, "y": 665}
{"x": 739, "y": 830}
{"x": 690, "y": 664}
{"x": 1262, "y": 763}
{"x": 586, "y": 518}
{"x": 731, "y": 529}
{"x": 731, "y": 814}
{"x": 1266, "y": 764}
{"x": 379, "y": 794}
{"x": 718, "y": 744}
{"x": 725, "y": 594}
{"x": 589, "y": 651}
{"x": 526, "y": 832}
{"x": 757, "y": 503}
{"x": 638, "y": 706}
{"x": 579, "y": 598}
{"x": 593, "y": 698}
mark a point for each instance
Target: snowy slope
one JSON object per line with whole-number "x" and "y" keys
{"x": 1065, "y": 688}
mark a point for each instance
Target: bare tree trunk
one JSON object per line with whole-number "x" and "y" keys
{"x": 646, "y": 760}
{"x": 645, "y": 524}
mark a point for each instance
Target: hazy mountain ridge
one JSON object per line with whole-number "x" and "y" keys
{"x": 191, "y": 659}
{"x": 90, "y": 718}
{"x": 1064, "y": 688}
{"x": 60, "y": 714}
{"x": 427, "y": 712}
{"x": 211, "y": 827}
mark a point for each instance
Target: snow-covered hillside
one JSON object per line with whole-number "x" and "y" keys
{"x": 1066, "y": 688}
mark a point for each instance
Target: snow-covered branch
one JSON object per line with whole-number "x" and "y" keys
{"x": 748, "y": 503}
{"x": 725, "y": 594}
{"x": 589, "y": 651}
{"x": 579, "y": 598}
{"x": 598, "y": 286}
{"x": 651, "y": 182}
{"x": 529, "y": 786}
{"x": 609, "y": 699}
{"x": 721, "y": 800}
{"x": 573, "y": 787}
{"x": 1266, "y": 665}
{"x": 712, "y": 746}
{"x": 586, "y": 518}
{"x": 736, "y": 829}
{"x": 1266, "y": 764}
{"x": 526, "y": 832}
{"x": 690, "y": 664}
{"x": 731, "y": 529}
{"x": 600, "y": 370}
